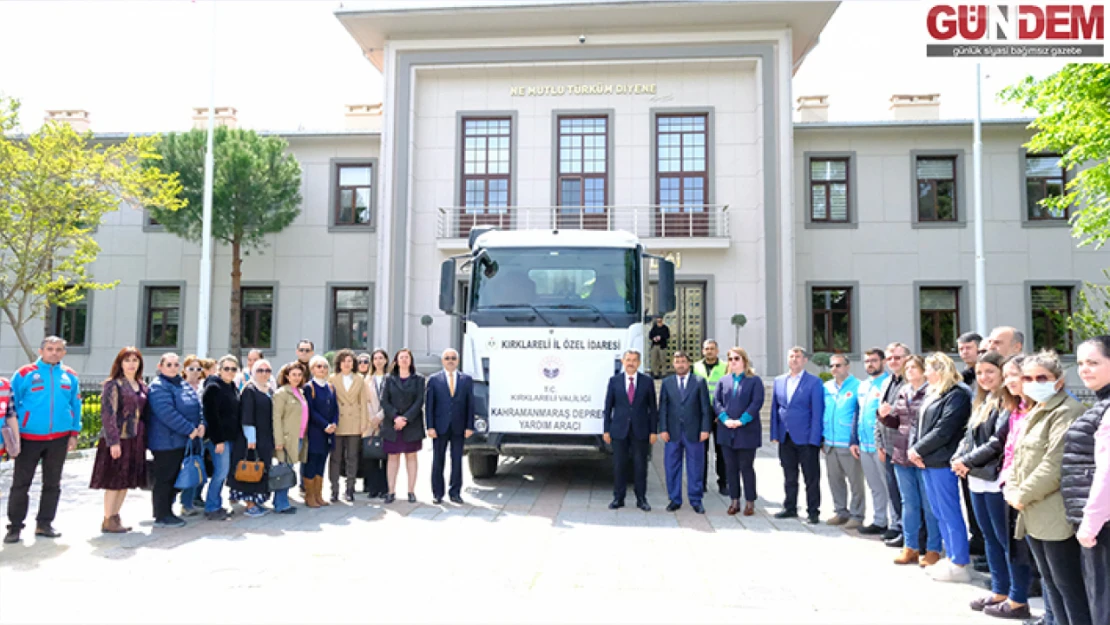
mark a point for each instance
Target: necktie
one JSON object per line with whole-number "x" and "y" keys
{"x": 631, "y": 389}
{"x": 451, "y": 383}
{"x": 682, "y": 384}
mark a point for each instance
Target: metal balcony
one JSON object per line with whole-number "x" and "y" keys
{"x": 672, "y": 227}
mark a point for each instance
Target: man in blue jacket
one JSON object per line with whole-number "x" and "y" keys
{"x": 449, "y": 410}
{"x": 47, "y": 401}
{"x": 684, "y": 420}
{"x": 797, "y": 423}
{"x": 866, "y": 448}
{"x": 844, "y": 469}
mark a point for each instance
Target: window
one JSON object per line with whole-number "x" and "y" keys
{"x": 828, "y": 190}
{"x": 936, "y": 188}
{"x": 832, "y": 319}
{"x": 682, "y": 175}
{"x": 257, "y": 314}
{"x": 486, "y": 176}
{"x": 583, "y": 183}
{"x": 1044, "y": 178}
{"x": 354, "y": 194}
{"x": 350, "y": 308}
{"x": 1050, "y": 307}
{"x": 163, "y": 316}
{"x": 71, "y": 322}
{"x": 940, "y": 318}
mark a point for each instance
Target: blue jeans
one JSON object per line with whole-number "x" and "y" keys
{"x": 943, "y": 488}
{"x": 1007, "y": 577}
{"x": 221, "y": 464}
{"x": 281, "y": 500}
{"x": 911, "y": 483}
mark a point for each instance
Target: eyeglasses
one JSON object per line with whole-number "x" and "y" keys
{"x": 232, "y": 369}
{"x": 171, "y": 365}
{"x": 837, "y": 366}
{"x": 364, "y": 362}
{"x": 263, "y": 370}
{"x": 1041, "y": 379}
{"x": 193, "y": 369}
{"x": 320, "y": 366}
{"x": 304, "y": 350}
{"x": 892, "y": 357}
{"x": 452, "y": 358}
{"x": 736, "y": 358}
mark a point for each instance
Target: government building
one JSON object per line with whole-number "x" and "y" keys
{"x": 615, "y": 116}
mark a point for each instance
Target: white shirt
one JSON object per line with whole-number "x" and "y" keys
{"x": 348, "y": 380}
{"x": 452, "y": 379}
{"x": 629, "y": 381}
{"x": 682, "y": 382}
{"x": 792, "y": 382}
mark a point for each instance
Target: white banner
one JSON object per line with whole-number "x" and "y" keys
{"x": 549, "y": 380}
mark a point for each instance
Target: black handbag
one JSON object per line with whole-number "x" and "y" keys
{"x": 282, "y": 477}
{"x": 372, "y": 448}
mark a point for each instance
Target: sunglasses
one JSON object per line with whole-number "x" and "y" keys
{"x": 364, "y": 362}
{"x": 263, "y": 370}
{"x": 303, "y": 350}
{"x": 229, "y": 369}
{"x": 193, "y": 369}
{"x": 1038, "y": 378}
{"x": 320, "y": 366}
{"x": 171, "y": 365}
{"x": 736, "y": 358}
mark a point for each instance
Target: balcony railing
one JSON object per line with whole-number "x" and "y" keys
{"x": 703, "y": 221}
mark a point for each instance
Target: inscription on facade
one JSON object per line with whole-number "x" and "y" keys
{"x": 583, "y": 89}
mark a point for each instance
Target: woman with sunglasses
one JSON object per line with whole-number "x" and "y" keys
{"x": 403, "y": 428}
{"x": 220, "y": 399}
{"x": 323, "y": 417}
{"x": 1033, "y": 489}
{"x": 192, "y": 370}
{"x": 374, "y": 368}
{"x": 290, "y": 423}
{"x": 255, "y": 440}
{"x": 175, "y": 419}
{"x": 737, "y": 402}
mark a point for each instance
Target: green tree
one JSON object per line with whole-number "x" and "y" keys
{"x": 55, "y": 186}
{"x": 256, "y": 192}
{"x": 1073, "y": 119}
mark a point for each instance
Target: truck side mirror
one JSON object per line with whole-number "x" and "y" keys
{"x": 447, "y": 286}
{"x": 666, "y": 299}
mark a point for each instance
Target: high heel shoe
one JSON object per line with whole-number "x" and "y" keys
{"x": 412, "y": 497}
{"x": 390, "y": 498}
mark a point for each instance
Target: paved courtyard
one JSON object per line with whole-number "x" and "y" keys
{"x": 535, "y": 544}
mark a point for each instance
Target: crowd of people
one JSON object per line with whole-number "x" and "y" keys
{"x": 999, "y": 455}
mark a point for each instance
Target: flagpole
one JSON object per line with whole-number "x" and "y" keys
{"x": 205, "y": 300}
{"x": 980, "y": 255}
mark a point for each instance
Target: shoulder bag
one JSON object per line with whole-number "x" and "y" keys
{"x": 192, "y": 473}
{"x": 282, "y": 477}
{"x": 372, "y": 448}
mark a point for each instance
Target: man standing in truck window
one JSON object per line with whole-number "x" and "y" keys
{"x": 659, "y": 335}
{"x": 630, "y": 420}
{"x": 711, "y": 370}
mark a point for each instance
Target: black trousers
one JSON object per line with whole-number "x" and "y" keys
{"x": 1096, "y": 572}
{"x": 439, "y": 459}
{"x": 1062, "y": 579}
{"x": 167, "y": 464}
{"x": 740, "y": 465}
{"x": 808, "y": 457}
{"x": 52, "y": 454}
{"x": 895, "y": 496}
{"x": 373, "y": 476}
{"x": 976, "y": 544}
{"x": 638, "y": 450}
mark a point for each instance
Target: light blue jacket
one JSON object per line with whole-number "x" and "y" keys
{"x": 870, "y": 396}
{"x": 47, "y": 401}
{"x": 841, "y": 408}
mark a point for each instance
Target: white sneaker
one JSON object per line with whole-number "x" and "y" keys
{"x": 949, "y": 573}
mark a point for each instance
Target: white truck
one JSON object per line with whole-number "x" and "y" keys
{"x": 548, "y": 315}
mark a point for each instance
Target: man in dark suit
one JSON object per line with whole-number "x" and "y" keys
{"x": 797, "y": 425}
{"x": 630, "y": 422}
{"x": 684, "y": 419}
{"x": 449, "y": 410}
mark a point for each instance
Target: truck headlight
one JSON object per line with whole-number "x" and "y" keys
{"x": 481, "y": 425}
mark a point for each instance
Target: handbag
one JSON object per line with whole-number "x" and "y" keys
{"x": 250, "y": 471}
{"x": 282, "y": 477}
{"x": 10, "y": 440}
{"x": 372, "y": 448}
{"x": 192, "y": 473}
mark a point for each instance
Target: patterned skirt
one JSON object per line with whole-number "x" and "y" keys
{"x": 124, "y": 473}
{"x": 256, "y": 498}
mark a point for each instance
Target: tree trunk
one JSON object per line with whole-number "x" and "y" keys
{"x": 20, "y": 335}
{"x": 46, "y": 329}
{"x": 236, "y": 300}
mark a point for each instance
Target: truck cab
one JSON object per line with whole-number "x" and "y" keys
{"x": 548, "y": 316}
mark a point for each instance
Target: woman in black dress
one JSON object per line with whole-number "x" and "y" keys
{"x": 403, "y": 427}
{"x": 256, "y": 410}
{"x": 120, "y": 462}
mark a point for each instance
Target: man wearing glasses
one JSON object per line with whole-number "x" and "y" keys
{"x": 305, "y": 351}
{"x": 844, "y": 469}
{"x": 896, "y": 355}
{"x": 449, "y": 410}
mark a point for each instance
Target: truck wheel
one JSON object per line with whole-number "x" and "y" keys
{"x": 482, "y": 465}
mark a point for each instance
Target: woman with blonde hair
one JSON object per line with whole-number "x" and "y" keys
{"x": 736, "y": 404}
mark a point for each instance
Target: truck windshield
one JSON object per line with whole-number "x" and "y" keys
{"x": 605, "y": 280}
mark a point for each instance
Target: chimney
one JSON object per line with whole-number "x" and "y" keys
{"x": 915, "y": 107}
{"x": 363, "y": 117}
{"x": 78, "y": 119}
{"x": 225, "y": 116}
{"x": 813, "y": 108}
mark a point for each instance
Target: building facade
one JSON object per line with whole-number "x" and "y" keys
{"x": 833, "y": 236}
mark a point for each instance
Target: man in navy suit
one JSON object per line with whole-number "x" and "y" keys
{"x": 684, "y": 419}
{"x": 449, "y": 410}
{"x": 797, "y": 424}
{"x": 630, "y": 422}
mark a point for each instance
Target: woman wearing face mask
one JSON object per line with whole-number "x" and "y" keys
{"x": 1033, "y": 488}
{"x": 901, "y": 418}
{"x": 220, "y": 399}
{"x": 374, "y": 367}
{"x": 940, "y": 426}
{"x": 1086, "y": 477}
{"x": 980, "y": 459}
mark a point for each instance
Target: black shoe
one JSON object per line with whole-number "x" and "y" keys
{"x": 47, "y": 531}
{"x": 698, "y": 508}
{"x": 872, "y": 530}
{"x": 813, "y": 519}
{"x": 891, "y": 534}
{"x": 335, "y": 498}
{"x": 198, "y": 503}
{"x": 976, "y": 548}
{"x": 390, "y": 497}
{"x": 374, "y": 495}
{"x": 643, "y": 505}
{"x": 897, "y": 542}
{"x": 412, "y": 497}
{"x": 671, "y": 507}
{"x": 13, "y": 534}
{"x": 787, "y": 514}
{"x": 289, "y": 510}
{"x": 456, "y": 499}
{"x": 981, "y": 565}
{"x": 616, "y": 503}
{"x": 217, "y": 515}
{"x": 437, "y": 500}
{"x": 350, "y": 495}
